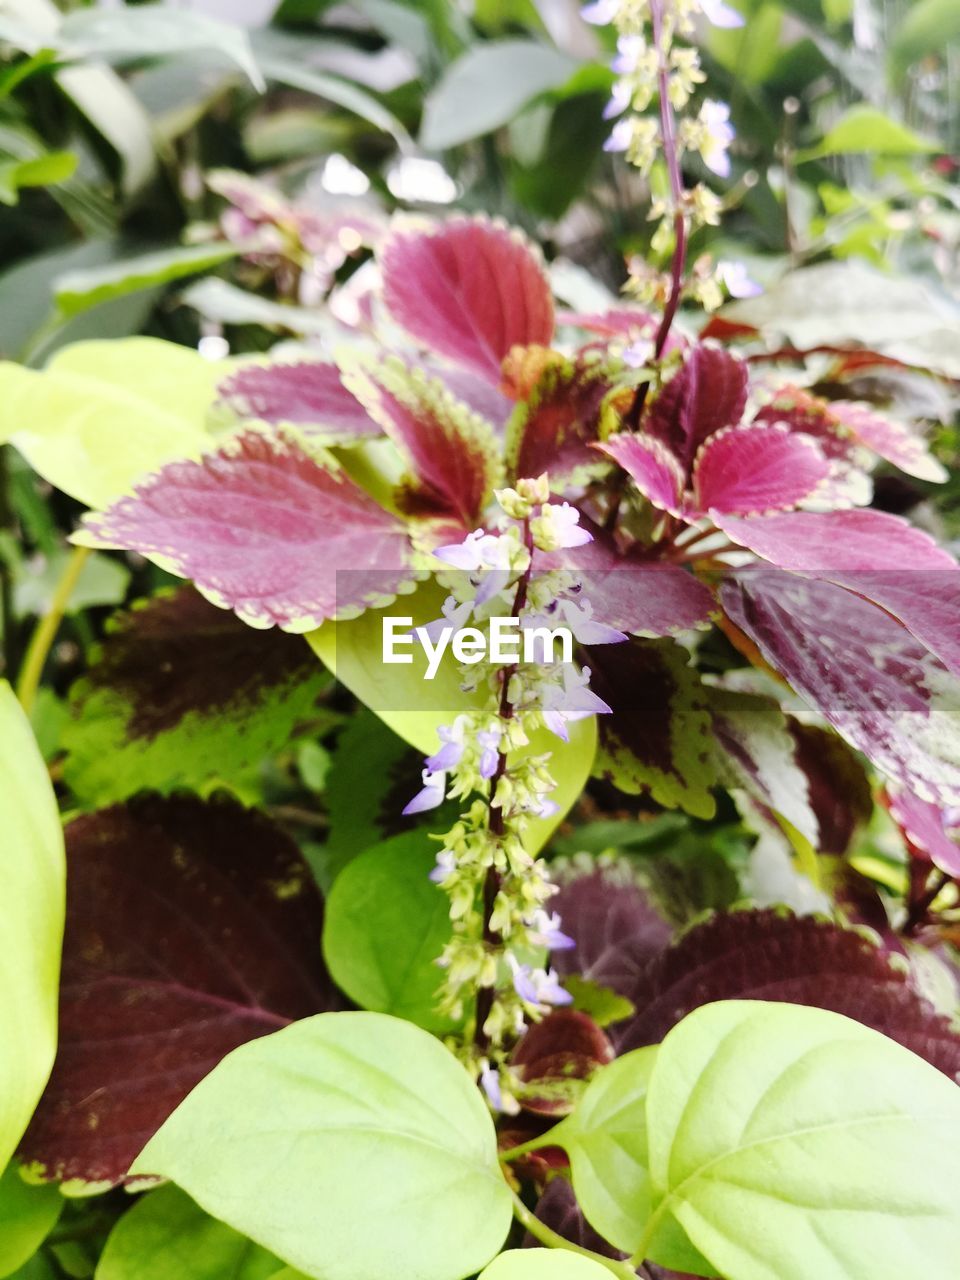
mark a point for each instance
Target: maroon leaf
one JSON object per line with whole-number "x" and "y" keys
{"x": 557, "y": 1208}
{"x": 750, "y": 470}
{"x": 555, "y": 1057}
{"x": 640, "y": 596}
{"x": 262, "y": 528}
{"x": 308, "y": 395}
{"x": 708, "y": 394}
{"x": 770, "y": 955}
{"x": 652, "y": 466}
{"x": 470, "y": 289}
{"x": 552, "y": 431}
{"x": 837, "y": 785}
{"x": 864, "y": 672}
{"x": 615, "y": 926}
{"x": 930, "y": 831}
{"x": 191, "y": 928}
{"x": 453, "y": 455}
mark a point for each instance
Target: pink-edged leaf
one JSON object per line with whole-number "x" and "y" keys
{"x": 770, "y": 955}
{"x": 264, "y": 529}
{"x": 192, "y": 927}
{"x": 469, "y": 289}
{"x": 479, "y": 395}
{"x": 306, "y": 394}
{"x": 560, "y": 417}
{"x": 616, "y": 322}
{"x": 452, "y": 455}
{"x": 896, "y": 441}
{"x": 651, "y": 465}
{"x": 707, "y": 394}
{"x": 930, "y": 831}
{"x": 860, "y": 669}
{"x": 658, "y": 737}
{"x": 616, "y": 928}
{"x": 752, "y": 470}
{"x": 926, "y": 601}
{"x": 835, "y": 542}
{"x": 642, "y": 597}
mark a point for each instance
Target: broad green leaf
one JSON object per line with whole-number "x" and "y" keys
{"x": 103, "y": 414}
{"x": 606, "y": 1140}
{"x": 226, "y": 303}
{"x": 352, "y": 1145}
{"x": 27, "y": 1216}
{"x": 929, "y": 26}
{"x": 790, "y": 1142}
{"x": 342, "y": 92}
{"x": 413, "y": 707}
{"x": 154, "y": 31}
{"x": 544, "y": 1264}
{"x": 42, "y": 171}
{"x": 750, "y": 53}
{"x": 385, "y": 924}
{"x": 78, "y": 290}
{"x": 865, "y": 129}
{"x": 165, "y": 1236}
{"x": 32, "y": 877}
{"x": 487, "y": 87}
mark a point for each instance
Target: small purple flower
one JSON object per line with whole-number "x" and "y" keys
{"x": 620, "y": 137}
{"x": 451, "y": 752}
{"x": 629, "y": 49}
{"x": 489, "y": 742}
{"x": 537, "y": 986}
{"x": 454, "y": 615}
{"x": 620, "y": 96}
{"x": 546, "y": 808}
{"x": 715, "y": 118}
{"x": 430, "y": 796}
{"x": 734, "y": 276}
{"x": 491, "y": 583}
{"x": 446, "y": 865}
{"x": 490, "y": 1083}
{"x": 566, "y": 523}
{"x": 574, "y": 700}
{"x": 720, "y": 14}
{"x": 600, "y": 13}
{"x": 546, "y": 932}
{"x": 585, "y": 629}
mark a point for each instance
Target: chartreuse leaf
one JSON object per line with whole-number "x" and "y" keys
{"x": 166, "y": 1235}
{"x": 27, "y": 1216}
{"x": 104, "y": 413}
{"x": 384, "y": 926}
{"x": 543, "y": 1264}
{"x": 413, "y": 707}
{"x": 866, "y": 129}
{"x": 76, "y": 291}
{"x": 792, "y": 1142}
{"x": 31, "y": 922}
{"x": 350, "y": 1144}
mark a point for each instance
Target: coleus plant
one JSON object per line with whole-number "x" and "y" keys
{"x": 763, "y": 1094}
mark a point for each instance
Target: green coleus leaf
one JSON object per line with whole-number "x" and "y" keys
{"x": 27, "y": 1216}
{"x": 791, "y": 1142}
{"x": 165, "y": 1235}
{"x": 183, "y": 694}
{"x": 352, "y": 1145}
{"x": 31, "y": 922}
{"x": 385, "y": 924}
{"x": 414, "y": 707}
{"x": 658, "y": 739}
{"x": 543, "y": 1264}
{"x": 77, "y": 291}
{"x": 103, "y": 413}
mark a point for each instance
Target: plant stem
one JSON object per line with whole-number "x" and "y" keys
{"x": 546, "y": 1235}
{"x": 668, "y": 136}
{"x": 43, "y": 637}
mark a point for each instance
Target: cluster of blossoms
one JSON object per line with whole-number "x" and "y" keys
{"x": 498, "y": 891}
{"x": 652, "y": 67}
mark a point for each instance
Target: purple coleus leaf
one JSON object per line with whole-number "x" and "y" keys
{"x": 772, "y": 955}
{"x": 453, "y": 455}
{"x": 707, "y": 394}
{"x": 308, "y": 394}
{"x": 860, "y": 669}
{"x": 192, "y": 927}
{"x": 263, "y": 528}
{"x": 564, "y": 1047}
{"x": 837, "y": 785}
{"x": 932, "y": 833}
{"x": 469, "y": 289}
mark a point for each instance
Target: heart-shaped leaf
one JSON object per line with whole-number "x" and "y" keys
{"x": 351, "y": 1145}
{"x": 27, "y": 1216}
{"x": 751, "y": 470}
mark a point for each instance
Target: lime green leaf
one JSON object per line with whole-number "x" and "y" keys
{"x": 42, "y": 171}
{"x": 606, "y": 1140}
{"x": 102, "y": 414}
{"x": 487, "y": 87}
{"x": 601, "y": 1003}
{"x": 77, "y": 290}
{"x": 543, "y": 1264}
{"x": 413, "y": 707}
{"x": 27, "y": 1216}
{"x": 31, "y": 922}
{"x": 385, "y": 924}
{"x": 789, "y": 1141}
{"x": 165, "y": 1236}
{"x": 347, "y": 1144}
{"x": 864, "y": 128}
